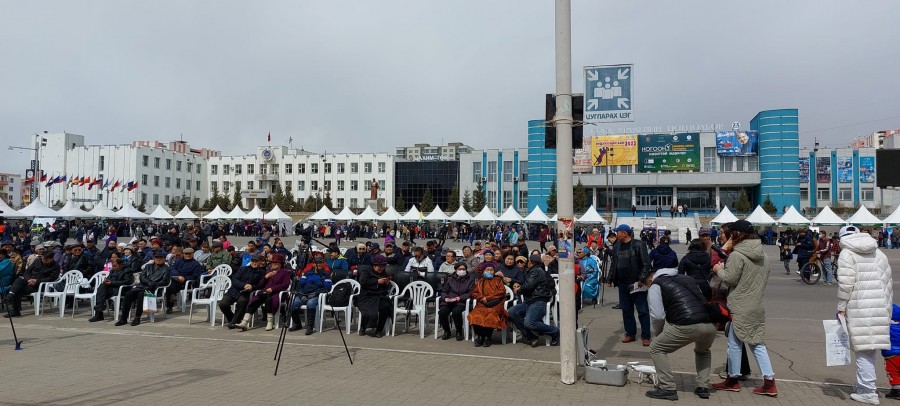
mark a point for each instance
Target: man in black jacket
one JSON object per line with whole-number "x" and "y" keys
{"x": 153, "y": 276}
{"x": 629, "y": 266}
{"x": 528, "y": 316}
{"x": 243, "y": 283}
{"x": 45, "y": 270}
{"x": 79, "y": 260}
{"x": 118, "y": 276}
{"x": 677, "y": 303}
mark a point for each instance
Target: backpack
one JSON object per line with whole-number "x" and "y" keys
{"x": 340, "y": 295}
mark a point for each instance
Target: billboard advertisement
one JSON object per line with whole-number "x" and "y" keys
{"x": 823, "y": 169}
{"x": 867, "y": 169}
{"x": 624, "y": 150}
{"x": 669, "y": 152}
{"x": 845, "y": 169}
{"x": 737, "y": 143}
{"x": 804, "y": 170}
{"x": 581, "y": 156}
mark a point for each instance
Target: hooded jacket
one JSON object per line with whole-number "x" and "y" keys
{"x": 747, "y": 273}
{"x": 696, "y": 264}
{"x": 663, "y": 257}
{"x": 865, "y": 292}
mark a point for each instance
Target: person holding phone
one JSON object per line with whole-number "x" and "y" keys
{"x": 374, "y": 304}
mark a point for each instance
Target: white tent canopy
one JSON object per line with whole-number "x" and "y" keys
{"x": 37, "y": 208}
{"x": 129, "y": 211}
{"x": 185, "y": 214}
{"x": 8, "y": 211}
{"x": 390, "y": 214}
{"x": 826, "y": 217}
{"x": 235, "y": 214}
{"x": 216, "y": 214}
{"x": 759, "y": 217}
{"x": 485, "y": 215}
{"x": 412, "y": 215}
{"x": 69, "y": 211}
{"x": 160, "y": 213}
{"x": 368, "y": 215}
{"x": 277, "y": 215}
{"x": 537, "y": 216}
{"x": 863, "y": 217}
{"x": 437, "y": 215}
{"x": 100, "y": 210}
{"x": 894, "y": 218}
{"x": 255, "y": 214}
{"x": 591, "y": 217}
{"x": 725, "y": 216}
{"x": 555, "y": 218}
{"x": 510, "y": 216}
{"x": 793, "y": 217}
{"x": 345, "y": 215}
{"x": 323, "y": 214}
{"x": 461, "y": 215}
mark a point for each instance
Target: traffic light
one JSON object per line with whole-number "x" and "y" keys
{"x": 577, "y": 124}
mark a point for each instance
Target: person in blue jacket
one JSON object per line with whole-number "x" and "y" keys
{"x": 313, "y": 282}
{"x": 662, "y": 256}
{"x": 892, "y": 356}
{"x": 588, "y": 269}
{"x": 7, "y": 272}
{"x": 184, "y": 270}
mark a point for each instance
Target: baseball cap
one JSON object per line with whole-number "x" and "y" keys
{"x": 623, "y": 227}
{"x": 742, "y": 226}
{"x": 703, "y": 231}
{"x": 847, "y": 230}
{"x": 535, "y": 258}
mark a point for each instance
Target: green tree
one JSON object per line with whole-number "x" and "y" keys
{"x": 478, "y": 199}
{"x": 551, "y": 198}
{"x": 143, "y": 206}
{"x": 327, "y": 201}
{"x": 276, "y": 198}
{"x": 467, "y": 201}
{"x": 289, "y": 202}
{"x": 312, "y": 203}
{"x": 742, "y": 204}
{"x": 769, "y": 206}
{"x": 427, "y": 203}
{"x": 453, "y": 205}
{"x": 214, "y": 197}
{"x": 399, "y": 203}
{"x": 236, "y": 199}
{"x": 579, "y": 198}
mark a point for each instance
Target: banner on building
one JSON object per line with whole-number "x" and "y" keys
{"x": 669, "y": 152}
{"x": 804, "y": 170}
{"x": 845, "y": 169}
{"x": 867, "y": 169}
{"x": 737, "y": 143}
{"x": 823, "y": 169}
{"x": 614, "y": 150}
{"x": 581, "y": 157}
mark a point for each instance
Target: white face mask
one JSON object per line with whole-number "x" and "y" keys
{"x": 461, "y": 272}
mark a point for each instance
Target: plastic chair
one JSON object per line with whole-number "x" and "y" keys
{"x": 348, "y": 309}
{"x": 223, "y": 269}
{"x": 218, "y": 284}
{"x": 95, "y": 282}
{"x": 71, "y": 281}
{"x": 395, "y": 290}
{"x": 418, "y": 293}
{"x": 160, "y": 302}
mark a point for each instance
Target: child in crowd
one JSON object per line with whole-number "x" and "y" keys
{"x": 786, "y": 257}
{"x": 892, "y": 356}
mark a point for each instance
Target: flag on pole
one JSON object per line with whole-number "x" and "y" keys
{"x": 114, "y": 186}
{"x": 43, "y": 176}
{"x": 270, "y": 136}
{"x": 60, "y": 180}
{"x": 133, "y": 186}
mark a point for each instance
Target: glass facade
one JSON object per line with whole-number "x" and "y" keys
{"x": 412, "y": 178}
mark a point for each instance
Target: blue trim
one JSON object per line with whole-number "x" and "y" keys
{"x": 813, "y": 193}
{"x": 500, "y": 181}
{"x": 515, "y": 198}
{"x": 484, "y": 174}
{"x": 834, "y": 179}
{"x": 855, "y": 177}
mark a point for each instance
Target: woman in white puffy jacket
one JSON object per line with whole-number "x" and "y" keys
{"x": 865, "y": 298}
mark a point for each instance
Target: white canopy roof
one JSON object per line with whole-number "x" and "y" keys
{"x": 255, "y": 214}
{"x": 793, "y": 217}
{"x": 368, "y": 215}
{"x": 185, "y": 214}
{"x": 555, "y": 218}
{"x": 510, "y": 216}
{"x": 461, "y": 215}
{"x": 345, "y": 215}
{"x": 759, "y": 217}
{"x": 69, "y": 211}
{"x": 485, "y": 215}
{"x": 591, "y": 216}
{"x": 437, "y": 215}
{"x": 863, "y": 217}
{"x": 37, "y": 208}
{"x": 235, "y": 214}
{"x": 215, "y": 214}
{"x": 8, "y": 211}
{"x": 390, "y": 215}
{"x": 276, "y": 214}
{"x": 412, "y": 215}
{"x": 100, "y": 210}
{"x": 537, "y": 216}
{"x": 129, "y": 211}
{"x": 725, "y": 216}
{"x": 827, "y": 217}
{"x": 323, "y": 214}
{"x": 160, "y": 213}
{"x": 894, "y": 218}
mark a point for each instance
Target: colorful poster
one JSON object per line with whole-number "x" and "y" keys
{"x": 669, "y": 152}
{"x": 823, "y": 169}
{"x": 614, "y": 150}
{"x": 845, "y": 169}
{"x": 867, "y": 169}
{"x": 804, "y": 170}
{"x": 737, "y": 143}
{"x": 581, "y": 156}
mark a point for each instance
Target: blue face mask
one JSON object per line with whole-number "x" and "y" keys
{"x": 488, "y": 275}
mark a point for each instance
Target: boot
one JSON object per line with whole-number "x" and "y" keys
{"x": 310, "y": 322}
{"x": 730, "y": 384}
{"x": 245, "y": 323}
{"x": 270, "y": 320}
{"x": 295, "y": 317}
{"x": 98, "y": 314}
{"x": 893, "y": 394}
{"x": 767, "y": 389}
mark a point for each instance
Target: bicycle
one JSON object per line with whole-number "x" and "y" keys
{"x": 812, "y": 271}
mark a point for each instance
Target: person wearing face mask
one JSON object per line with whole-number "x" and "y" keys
{"x": 454, "y": 294}
{"x": 419, "y": 263}
{"x": 488, "y": 313}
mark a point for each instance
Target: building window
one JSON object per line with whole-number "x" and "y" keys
{"x": 227, "y": 186}
{"x": 156, "y": 181}
{"x": 146, "y": 160}
{"x": 144, "y": 180}
{"x": 314, "y": 186}
{"x": 143, "y": 198}
{"x": 190, "y": 166}
{"x": 381, "y": 184}
{"x": 867, "y": 194}
{"x": 287, "y": 186}
{"x": 823, "y": 194}
{"x": 508, "y": 172}
{"x": 275, "y": 169}
{"x": 739, "y": 162}
{"x": 354, "y": 203}
{"x": 238, "y": 169}
{"x": 263, "y": 169}
{"x": 476, "y": 173}
{"x": 177, "y": 183}
{"x": 197, "y": 185}
{"x": 327, "y": 185}
{"x": 313, "y": 168}
{"x": 354, "y": 167}
{"x": 328, "y": 167}
{"x": 340, "y": 186}
{"x": 156, "y": 163}
{"x": 845, "y": 194}
{"x": 155, "y": 199}
{"x": 168, "y": 182}
{"x": 523, "y": 200}
{"x": 187, "y": 184}
{"x": 198, "y": 168}
{"x": 177, "y": 165}
{"x": 804, "y": 194}
{"x": 354, "y": 185}
{"x": 367, "y": 167}
{"x": 214, "y": 169}
{"x": 753, "y": 163}
{"x": 168, "y": 164}
{"x": 250, "y": 185}
{"x": 492, "y": 199}
{"x": 340, "y": 202}
{"x": 288, "y": 168}
{"x": 727, "y": 164}
{"x": 213, "y": 185}
{"x": 709, "y": 159}
{"x": 250, "y": 169}
{"x": 381, "y": 167}
{"x": 102, "y": 159}
{"x": 301, "y": 185}
{"x": 367, "y": 185}
{"x": 340, "y": 166}
{"x": 523, "y": 171}
{"x": 507, "y": 198}
{"x": 301, "y": 168}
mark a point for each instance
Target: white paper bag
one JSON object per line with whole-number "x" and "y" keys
{"x": 837, "y": 343}
{"x": 149, "y": 302}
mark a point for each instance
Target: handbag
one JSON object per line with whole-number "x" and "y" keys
{"x": 149, "y": 302}
{"x": 837, "y": 343}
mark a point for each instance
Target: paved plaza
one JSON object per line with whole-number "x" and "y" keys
{"x": 71, "y": 361}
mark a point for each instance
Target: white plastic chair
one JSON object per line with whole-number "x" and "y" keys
{"x": 348, "y": 309}
{"x": 160, "y": 302}
{"x": 418, "y": 293}
{"x": 95, "y": 282}
{"x": 223, "y": 269}
{"x": 395, "y": 290}
{"x": 71, "y": 279}
{"x": 218, "y": 284}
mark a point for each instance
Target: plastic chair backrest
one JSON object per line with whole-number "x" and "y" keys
{"x": 72, "y": 280}
{"x": 402, "y": 279}
{"x": 509, "y": 293}
{"x": 223, "y": 269}
{"x": 395, "y": 289}
{"x": 219, "y": 285}
{"x": 435, "y": 280}
{"x": 418, "y": 292}
{"x": 339, "y": 275}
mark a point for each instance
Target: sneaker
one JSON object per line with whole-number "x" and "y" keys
{"x": 459, "y": 336}
{"x": 121, "y": 322}
{"x": 702, "y": 393}
{"x": 617, "y": 307}
{"x": 628, "y": 339}
{"x": 658, "y": 393}
{"x": 867, "y": 398}
{"x": 446, "y": 336}
{"x": 893, "y": 394}
{"x": 554, "y": 340}
{"x": 730, "y": 385}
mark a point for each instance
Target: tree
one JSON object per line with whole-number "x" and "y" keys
{"x": 769, "y": 206}
{"x": 551, "y": 198}
{"x": 399, "y": 203}
{"x": 579, "y": 198}
{"x": 289, "y": 202}
{"x": 213, "y": 198}
{"x": 236, "y": 200}
{"x": 327, "y": 201}
{"x": 454, "y": 199}
{"x": 427, "y": 203}
{"x": 225, "y": 203}
{"x": 478, "y": 199}
{"x": 467, "y": 201}
{"x": 312, "y": 203}
{"x": 276, "y": 198}
{"x": 742, "y": 204}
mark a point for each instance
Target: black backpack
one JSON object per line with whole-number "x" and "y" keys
{"x": 340, "y": 295}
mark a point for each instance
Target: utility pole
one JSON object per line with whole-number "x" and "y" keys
{"x": 563, "y": 122}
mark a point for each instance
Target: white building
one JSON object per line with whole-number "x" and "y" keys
{"x": 346, "y": 176}
{"x": 11, "y": 189}
{"x": 502, "y": 173}
{"x": 426, "y": 152}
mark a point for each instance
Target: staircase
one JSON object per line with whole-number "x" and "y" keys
{"x": 678, "y": 225}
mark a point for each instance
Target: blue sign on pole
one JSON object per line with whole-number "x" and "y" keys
{"x": 608, "y": 93}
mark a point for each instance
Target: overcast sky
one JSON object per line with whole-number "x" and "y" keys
{"x": 360, "y": 76}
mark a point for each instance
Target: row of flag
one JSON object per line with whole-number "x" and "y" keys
{"x": 83, "y": 181}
